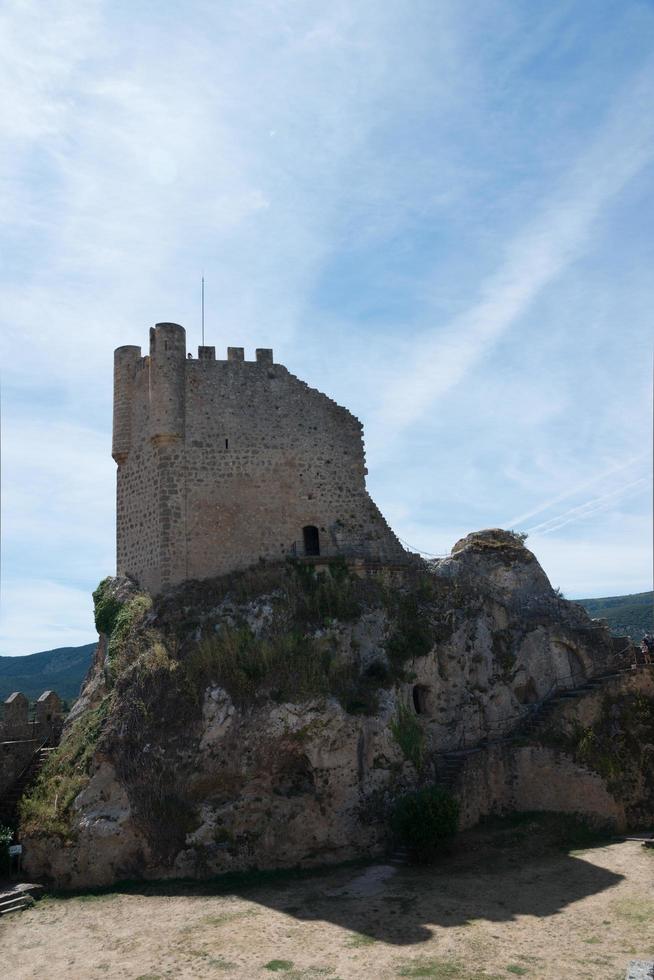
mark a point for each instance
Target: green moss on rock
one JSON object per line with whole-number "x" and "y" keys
{"x": 106, "y": 607}
{"x": 46, "y": 809}
{"x": 407, "y": 732}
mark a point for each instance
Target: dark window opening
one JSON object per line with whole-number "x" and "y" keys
{"x": 311, "y": 540}
{"x": 226, "y": 443}
{"x": 420, "y": 699}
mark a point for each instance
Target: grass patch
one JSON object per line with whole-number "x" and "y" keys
{"x": 46, "y": 809}
{"x": 430, "y": 967}
{"x": 440, "y": 969}
{"x": 92, "y": 897}
{"x": 130, "y": 613}
{"x": 293, "y": 655}
{"x": 298, "y": 592}
{"x": 327, "y": 596}
{"x": 634, "y": 911}
{"x": 221, "y": 919}
{"x": 518, "y": 971}
{"x": 116, "y": 618}
{"x": 278, "y": 965}
{"x": 295, "y": 658}
{"x": 413, "y": 635}
{"x": 359, "y": 939}
{"x": 287, "y": 667}
{"x": 305, "y": 600}
{"x": 407, "y": 732}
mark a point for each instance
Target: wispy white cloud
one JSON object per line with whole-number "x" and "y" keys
{"x": 234, "y": 154}
{"x": 619, "y": 150}
{"x": 345, "y": 174}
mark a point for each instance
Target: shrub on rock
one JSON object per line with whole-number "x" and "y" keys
{"x": 424, "y": 820}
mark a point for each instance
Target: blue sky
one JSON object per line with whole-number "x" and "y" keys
{"x": 439, "y": 213}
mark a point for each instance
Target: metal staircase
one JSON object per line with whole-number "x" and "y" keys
{"x": 450, "y": 764}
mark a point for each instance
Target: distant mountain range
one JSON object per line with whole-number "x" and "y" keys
{"x": 60, "y": 670}
{"x": 631, "y": 615}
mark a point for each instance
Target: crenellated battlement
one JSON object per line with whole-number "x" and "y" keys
{"x": 222, "y": 462}
{"x": 235, "y": 355}
{"x": 167, "y": 364}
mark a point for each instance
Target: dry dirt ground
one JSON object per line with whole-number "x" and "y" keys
{"x": 505, "y": 904}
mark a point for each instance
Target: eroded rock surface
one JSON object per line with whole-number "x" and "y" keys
{"x": 271, "y": 718}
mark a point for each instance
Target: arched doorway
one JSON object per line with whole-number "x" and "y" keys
{"x": 311, "y": 540}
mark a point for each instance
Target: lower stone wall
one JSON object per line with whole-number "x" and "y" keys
{"x": 503, "y": 779}
{"x": 548, "y": 780}
{"x": 12, "y": 732}
{"x": 14, "y": 757}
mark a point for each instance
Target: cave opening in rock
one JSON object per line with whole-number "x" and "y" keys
{"x": 420, "y": 699}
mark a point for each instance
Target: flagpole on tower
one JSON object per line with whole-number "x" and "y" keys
{"x": 203, "y": 310}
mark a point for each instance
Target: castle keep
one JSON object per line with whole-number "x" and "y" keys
{"x": 225, "y": 462}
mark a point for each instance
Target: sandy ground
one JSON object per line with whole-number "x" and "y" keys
{"x": 483, "y": 912}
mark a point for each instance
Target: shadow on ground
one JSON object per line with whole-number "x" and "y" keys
{"x": 493, "y": 874}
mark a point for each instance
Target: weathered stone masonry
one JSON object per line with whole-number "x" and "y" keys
{"x": 223, "y": 463}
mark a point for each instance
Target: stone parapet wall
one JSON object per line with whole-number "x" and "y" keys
{"x": 510, "y": 777}
{"x": 19, "y": 723}
{"x": 506, "y": 779}
{"x": 15, "y": 756}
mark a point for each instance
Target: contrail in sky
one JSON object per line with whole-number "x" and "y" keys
{"x": 575, "y": 490}
{"x": 593, "y": 506}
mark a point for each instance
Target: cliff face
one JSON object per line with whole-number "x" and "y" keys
{"x": 270, "y": 718}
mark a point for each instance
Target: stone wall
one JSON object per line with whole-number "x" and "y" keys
{"x": 224, "y": 462}
{"x": 506, "y": 779}
{"x": 513, "y": 777}
{"x": 14, "y": 717}
{"x": 18, "y": 723}
{"x": 15, "y": 756}
{"x": 21, "y": 736}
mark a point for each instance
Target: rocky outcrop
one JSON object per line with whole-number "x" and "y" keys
{"x": 271, "y": 718}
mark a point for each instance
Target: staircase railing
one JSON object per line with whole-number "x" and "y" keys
{"x": 499, "y": 731}
{"x": 24, "y": 772}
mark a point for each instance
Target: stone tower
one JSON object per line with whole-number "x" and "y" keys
{"x": 225, "y": 462}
